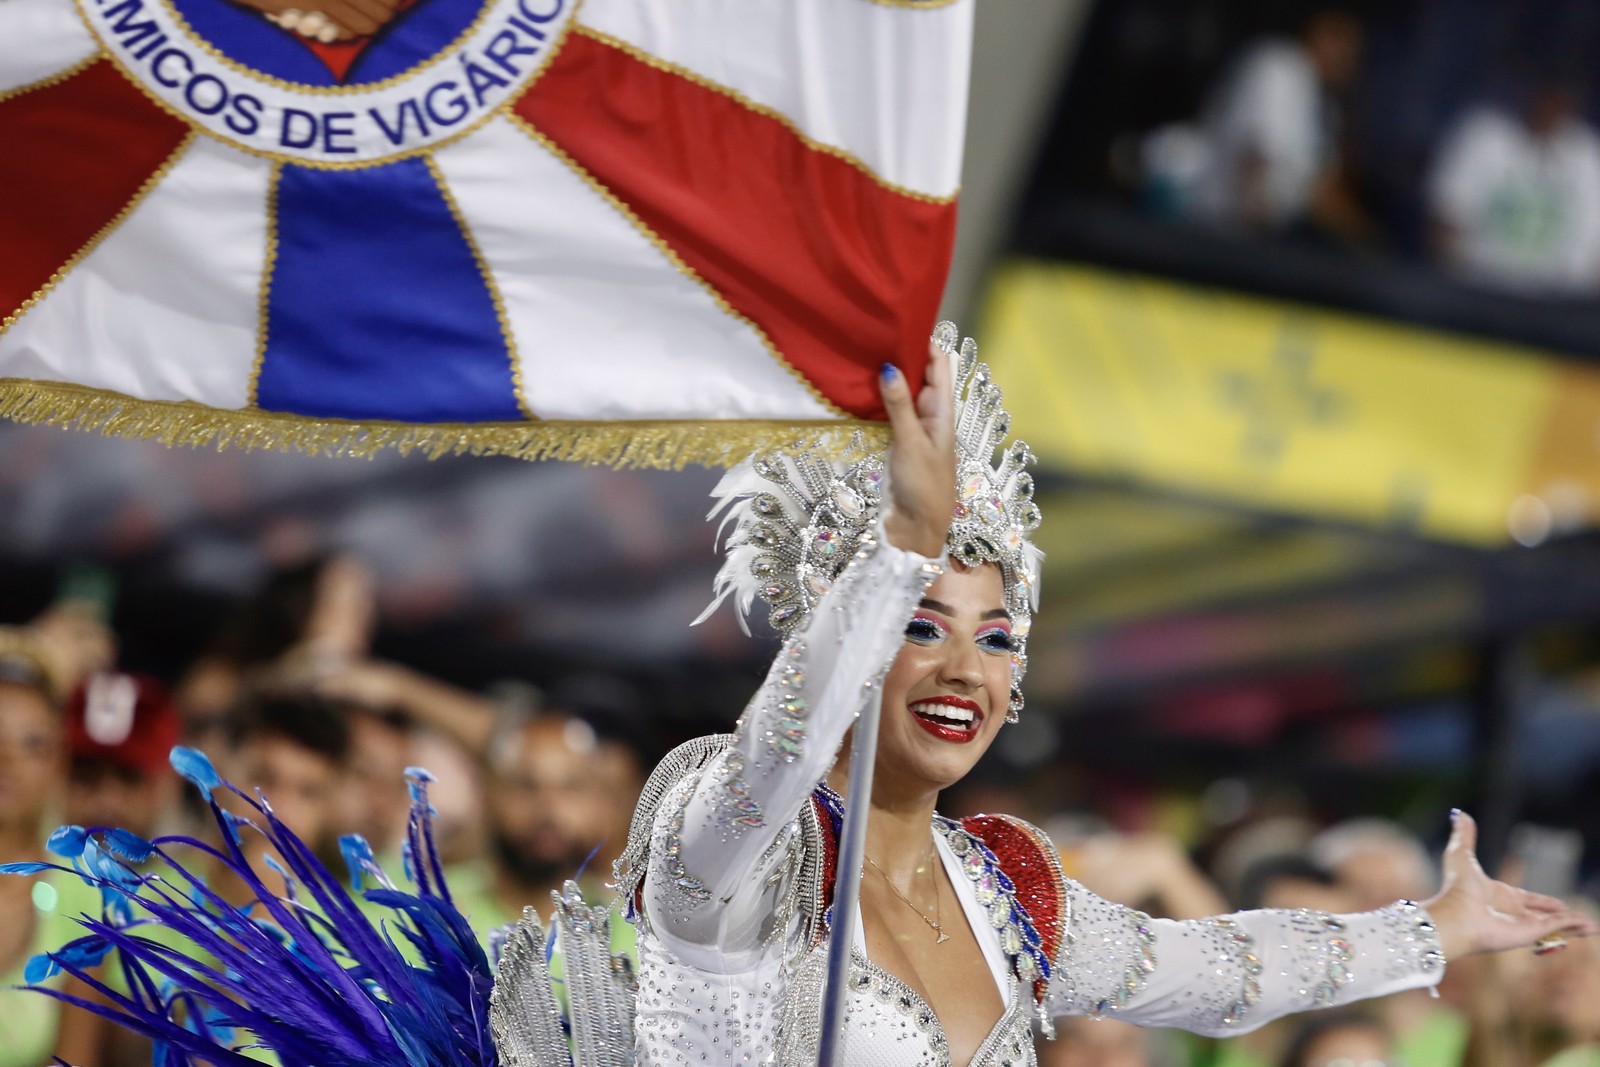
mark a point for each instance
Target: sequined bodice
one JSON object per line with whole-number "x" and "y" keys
{"x": 772, "y": 1015}
{"x": 888, "y": 1023}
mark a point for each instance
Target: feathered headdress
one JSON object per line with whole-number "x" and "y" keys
{"x": 798, "y": 519}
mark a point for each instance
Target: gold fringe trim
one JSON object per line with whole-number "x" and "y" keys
{"x": 640, "y": 444}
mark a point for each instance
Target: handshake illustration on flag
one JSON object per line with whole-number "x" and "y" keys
{"x": 329, "y": 20}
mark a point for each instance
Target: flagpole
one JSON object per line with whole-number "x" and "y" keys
{"x": 847, "y": 882}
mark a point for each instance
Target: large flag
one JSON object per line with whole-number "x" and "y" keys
{"x": 632, "y": 231}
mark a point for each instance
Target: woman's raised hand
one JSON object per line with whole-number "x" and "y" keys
{"x": 922, "y": 460}
{"x": 1475, "y": 913}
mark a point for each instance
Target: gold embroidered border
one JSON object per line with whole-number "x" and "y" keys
{"x": 636, "y": 444}
{"x": 670, "y": 253}
{"x": 762, "y": 109}
{"x": 54, "y": 79}
{"x": 100, "y": 235}
{"x": 488, "y": 282}
{"x": 269, "y": 263}
{"x": 318, "y": 164}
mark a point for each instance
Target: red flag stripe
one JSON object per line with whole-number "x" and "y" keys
{"x": 95, "y": 145}
{"x": 844, "y": 275}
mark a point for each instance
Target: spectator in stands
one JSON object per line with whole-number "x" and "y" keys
{"x": 1271, "y": 135}
{"x": 458, "y": 796}
{"x": 1514, "y": 196}
{"x": 1554, "y": 1006}
{"x": 120, "y": 731}
{"x": 1149, "y": 871}
{"x": 1340, "y": 1039}
{"x": 76, "y": 637}
{"x": 1376, "y": 861}
{"x": 1085, "y": 1042}
{"x": 618, "y": 711}
{"x": 1292, "y": 881}
{"x": 35, "y": 911}
{"x": 545, "y": 819}
{"x": 375, "y": 792}
{"x": 306, "y": 620}
{"x": 295, "y": 748}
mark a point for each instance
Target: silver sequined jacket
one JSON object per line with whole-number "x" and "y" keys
{"x": 727, "y": 844}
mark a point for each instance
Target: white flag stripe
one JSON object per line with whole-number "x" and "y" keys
{"x": 56, "y": 40}
{"x": 166, "y": 307}
{"x": 606, "y": 325}
{"x": 885, "y": 84}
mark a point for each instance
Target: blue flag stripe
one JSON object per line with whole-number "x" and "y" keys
{"x": 377, "y": 307}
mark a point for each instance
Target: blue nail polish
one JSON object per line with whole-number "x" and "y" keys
{"x": 1455, "y": 813}
{"x": 889, "y": 372}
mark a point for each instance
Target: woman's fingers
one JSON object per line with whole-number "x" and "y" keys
{"x": 897, "y": 402}
{"x": 1540, "y": 902}
{"x": 935, "y": 404}
{"x": 1463, "y": 838}
{"x": 922, "y": 461}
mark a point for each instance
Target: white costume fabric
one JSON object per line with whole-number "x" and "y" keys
{"x": 730, "y": 952}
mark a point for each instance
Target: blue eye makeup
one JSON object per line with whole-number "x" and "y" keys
{"x": 997, "y": 640}
{"x": 924, "y": 631}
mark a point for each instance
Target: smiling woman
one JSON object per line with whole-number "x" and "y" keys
{"x": 916, "y": 608}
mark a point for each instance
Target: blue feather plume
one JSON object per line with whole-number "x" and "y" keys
{"x": 308, "y": 975}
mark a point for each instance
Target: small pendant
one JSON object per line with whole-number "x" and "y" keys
{"x": 943, "y": 937}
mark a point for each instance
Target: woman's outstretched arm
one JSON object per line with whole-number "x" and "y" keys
{"x": 1233, "y": 973}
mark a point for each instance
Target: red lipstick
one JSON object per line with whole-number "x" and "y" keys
{"x": 949, "y": 718}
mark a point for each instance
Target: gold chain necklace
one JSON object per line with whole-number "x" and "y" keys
{"x": 934, "y": 923}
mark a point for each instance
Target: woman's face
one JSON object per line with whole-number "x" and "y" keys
{"x": 31, "y": 765}
{"x": 1356, "y": 1045}
{"x": 945, "y": 696}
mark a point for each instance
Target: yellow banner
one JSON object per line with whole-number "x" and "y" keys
{"x": 1293, "y": 407}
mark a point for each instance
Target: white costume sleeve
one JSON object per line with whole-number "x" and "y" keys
{"x": 1231, "y": 974}
{"x": 718, "y": 858}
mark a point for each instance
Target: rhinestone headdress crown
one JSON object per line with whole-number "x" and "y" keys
{"x": 799, "y": 518}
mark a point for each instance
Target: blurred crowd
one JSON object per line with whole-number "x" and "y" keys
{"x": 1286, "y": 142}
{"x": 530, "y": 791}
{"x": 536, "y": 788}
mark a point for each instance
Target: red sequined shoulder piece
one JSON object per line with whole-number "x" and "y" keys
{"x": 1034, "y": 867}
{"x": 830, "y": 851}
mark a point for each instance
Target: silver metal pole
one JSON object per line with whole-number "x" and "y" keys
{"x": 847, "y": 883}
